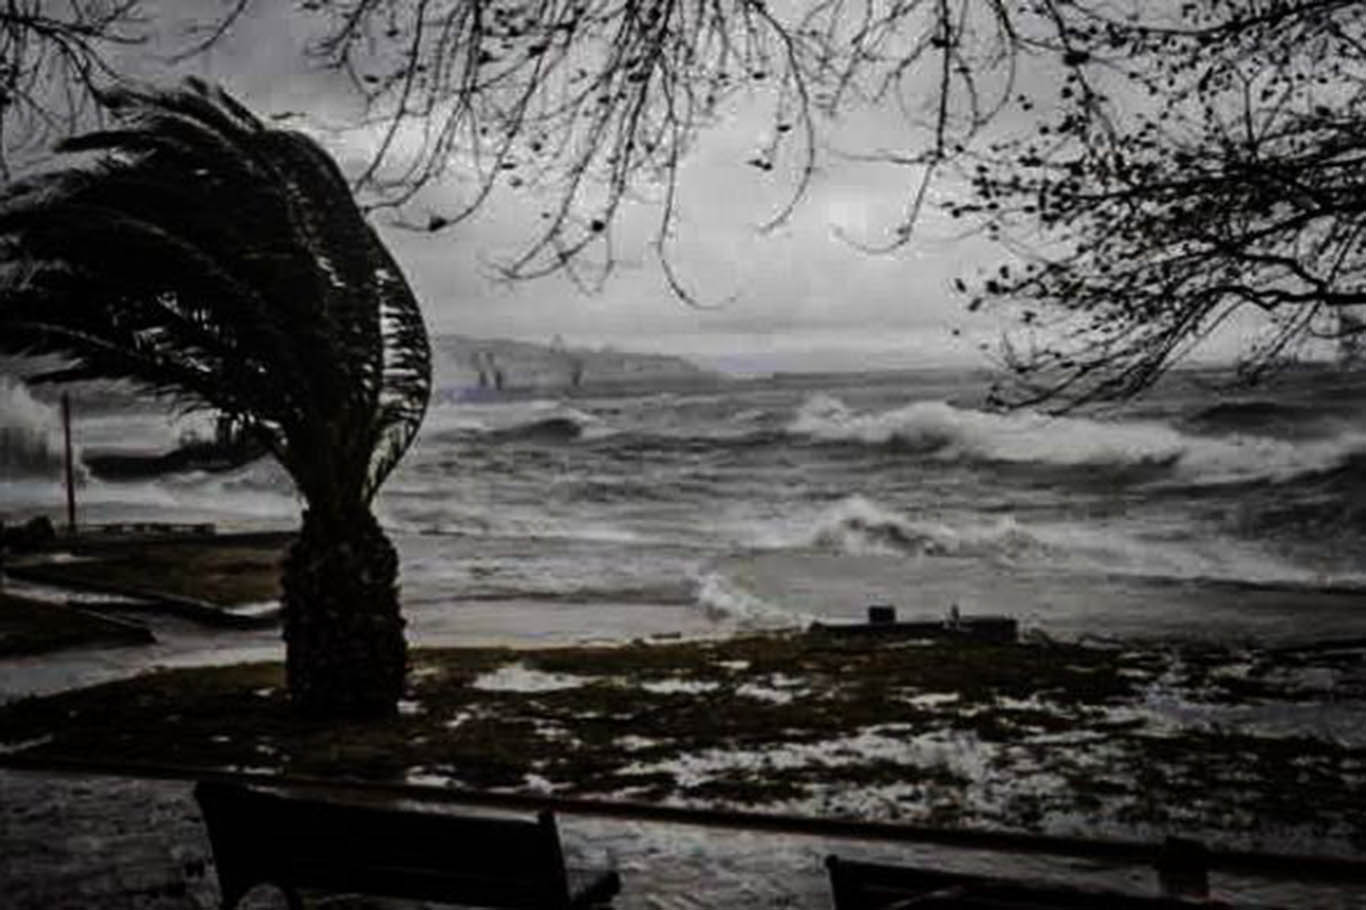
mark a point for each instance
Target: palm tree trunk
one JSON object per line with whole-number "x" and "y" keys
{"x": 345, "y": 655}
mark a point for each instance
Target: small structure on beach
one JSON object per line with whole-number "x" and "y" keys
{"x": 882, "y": 621}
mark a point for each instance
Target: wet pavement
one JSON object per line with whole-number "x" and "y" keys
{"x": 79, "y": 842}
{"x": 75, "y": 841}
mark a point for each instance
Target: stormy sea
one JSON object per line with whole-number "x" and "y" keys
{"x": 639, "y": 509}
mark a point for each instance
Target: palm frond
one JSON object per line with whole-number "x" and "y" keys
{"x": 205, "y": 256}
{"x": 406, "y": 381}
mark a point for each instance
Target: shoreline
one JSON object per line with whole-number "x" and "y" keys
{"x": 207, "y": 608}
{"x": 1222, "y": 745}
{"x": 1239, "y": 746}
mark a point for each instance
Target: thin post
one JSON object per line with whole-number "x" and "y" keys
{"x": 1183, "y": 868}
{"x": 70, "y": 473}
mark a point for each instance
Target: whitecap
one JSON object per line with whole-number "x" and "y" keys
{"x": 941, "y": 430}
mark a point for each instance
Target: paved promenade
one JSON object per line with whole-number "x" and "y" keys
{"x": 77, "y": 842}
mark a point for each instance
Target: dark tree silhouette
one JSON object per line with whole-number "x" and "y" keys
{"x": 206, "y": 257}
{"x": 1196, "y": 160}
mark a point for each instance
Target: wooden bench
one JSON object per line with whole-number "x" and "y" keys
{"x": 295, "y": 841}
{"x": 876, "y": 886}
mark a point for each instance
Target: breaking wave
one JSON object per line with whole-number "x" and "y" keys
{"x": 536, "y": 421}
{"x": 857, "y": 525}
{"x": 940, "y": 430}
{"x": 426, "y": 516}
{"x": 663, "y": 594}
{"x": 547, "y": 429}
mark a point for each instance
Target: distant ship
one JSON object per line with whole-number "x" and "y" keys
{"x": 490, "y": 373}
{"x": 492, "y": 379}
{"x": 1351, "y": 338}
{"x": 574, "y": 363}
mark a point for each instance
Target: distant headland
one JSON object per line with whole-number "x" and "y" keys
{"x": 504, "y": 365}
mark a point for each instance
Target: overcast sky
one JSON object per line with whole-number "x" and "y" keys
{"x": 795, "y": 298}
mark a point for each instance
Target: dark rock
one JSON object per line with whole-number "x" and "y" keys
{"x": 31, "y": 535}
{"x": 880, "y": 613}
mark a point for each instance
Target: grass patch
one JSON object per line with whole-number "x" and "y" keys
{"x": 36, "y": 627}
{"x": 215, "y": 570}
{"x": 1028, "y": 737}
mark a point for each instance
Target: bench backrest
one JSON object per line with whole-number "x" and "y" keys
{"x": 299, "y": 841}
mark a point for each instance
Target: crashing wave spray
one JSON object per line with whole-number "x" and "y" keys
{"x": 726, "y": 601}
{"x": 29, "y": 434}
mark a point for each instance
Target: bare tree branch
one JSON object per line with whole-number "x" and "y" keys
{"x": 1234, "y": 183}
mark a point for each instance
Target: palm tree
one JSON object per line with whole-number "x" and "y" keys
{"x": 206, "y": 257}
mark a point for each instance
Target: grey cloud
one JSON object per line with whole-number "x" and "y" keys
{"x": 794, "y": 290}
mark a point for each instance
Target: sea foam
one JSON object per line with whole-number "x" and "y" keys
{"x": 859, "y": 526}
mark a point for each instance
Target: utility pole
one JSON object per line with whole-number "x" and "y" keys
{"x": 70, "y": 473}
